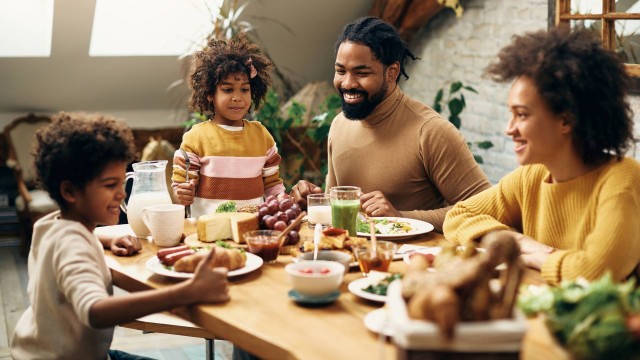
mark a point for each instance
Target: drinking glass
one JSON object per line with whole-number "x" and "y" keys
{"x": 319, "y": 210}
{"x": 345, "y": 204}
{"x": 379, "y": 261}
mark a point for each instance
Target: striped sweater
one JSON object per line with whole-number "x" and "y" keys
{"x": 592, "y": 219}
{"x": 242, "y": 166}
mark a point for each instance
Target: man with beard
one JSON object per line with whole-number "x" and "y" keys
{"x": 408, "y": 161}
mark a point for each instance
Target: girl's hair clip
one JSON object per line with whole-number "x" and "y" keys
{"x": 252, "y": 70}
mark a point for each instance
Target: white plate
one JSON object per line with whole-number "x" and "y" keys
{"x": 254, "y": 262}
{"x": 418, "y": 227}
{"x": 378, "y": 322}
{"x": 356, "y": 286}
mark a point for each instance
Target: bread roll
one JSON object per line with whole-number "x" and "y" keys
{"x": 231, "y": 259}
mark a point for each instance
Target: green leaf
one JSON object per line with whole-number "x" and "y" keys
{"x": 455, "y": 107}
{"x": 484, "y": 144}
{"x": 478, "y": 159}
{"x": 455, "y": 120}
{"x": 464, "y": 103}
{"x": 471, "y": 89}
{"x": 455, "y": 87}
{"x": 437, "y": 107}
{"x": 439, "y": 95}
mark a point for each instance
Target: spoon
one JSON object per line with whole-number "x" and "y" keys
{"x": 317, "y": 235}
{"x": 187, "y": 163}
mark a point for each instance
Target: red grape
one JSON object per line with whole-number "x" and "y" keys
{"x": 285, "y": 204}
{"x": 293, "y": 237}
{"x": 295, "y": 207}
{"x": 273, "y": 207}
{"x": 291, "y": 214}
{"x": 297, "y": 228}
{"x": 279, "y": 225}
{"x": 282, "y": 216}
{"x": 269, "y": 221}
{"x": 263, "y": 211}
{"x": 270, "y": 198}
{"x": 282, "y": 196}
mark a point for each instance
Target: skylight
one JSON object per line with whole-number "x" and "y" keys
{"x": 150, "y": 27}
{"x": 25, "y": 28}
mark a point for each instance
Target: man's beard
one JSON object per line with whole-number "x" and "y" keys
{"x": 362, "y": 109}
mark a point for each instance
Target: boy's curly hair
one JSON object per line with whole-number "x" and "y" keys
{"x": 224, "y": 57}
{"x": 77, "y": 147}
{"x": 575, "y": 75}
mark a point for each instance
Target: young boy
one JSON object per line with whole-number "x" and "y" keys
{"x": 81, "y": 160}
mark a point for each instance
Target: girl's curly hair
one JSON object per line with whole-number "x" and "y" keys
{"x": 77, "y": 147}
{"x": 224, "y": 57}
{"x": 575, "y": 75}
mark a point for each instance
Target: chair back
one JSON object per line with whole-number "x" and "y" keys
{"x": 20, "y": 135}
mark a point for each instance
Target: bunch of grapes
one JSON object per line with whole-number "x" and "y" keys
{"x": 277, "y": 212}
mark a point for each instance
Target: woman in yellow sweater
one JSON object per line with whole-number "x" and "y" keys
{"x": 575, "y": 201}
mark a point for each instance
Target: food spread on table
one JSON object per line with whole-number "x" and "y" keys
{"x": 385, "y": 226}
{"x": 186, "y": 259}
{"x": 597, "y": 320}
{"x": 459, "y": 289}
{"x": 379, "y": 286}
{"x": 332, "y": 239}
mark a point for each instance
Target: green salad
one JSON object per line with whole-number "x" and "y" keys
{"x": 381, "y": 287}
{"x": 595, "y": 320}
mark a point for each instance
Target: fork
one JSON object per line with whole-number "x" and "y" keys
{"x": 187, "y": 163}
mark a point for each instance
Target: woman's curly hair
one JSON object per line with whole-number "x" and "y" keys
{"x": 224, "y": 57}
{"x": 575, "y": 75}
{"x": 77, "y": 147}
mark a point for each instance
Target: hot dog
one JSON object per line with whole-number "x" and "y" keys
{"x": 171, "y": 259}
{"x": 164, "y": 252}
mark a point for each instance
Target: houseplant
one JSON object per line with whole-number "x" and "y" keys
{"x": 455, "y": 103}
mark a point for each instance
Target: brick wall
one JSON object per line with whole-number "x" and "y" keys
{"x": 458, "y": 50}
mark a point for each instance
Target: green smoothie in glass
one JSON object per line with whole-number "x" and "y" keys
{"x": 345, "y": 204}
{"x": 344, "y": 214}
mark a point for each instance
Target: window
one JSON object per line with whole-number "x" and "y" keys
{"x": 150, "y": 27}
{"x": 26, "y": 28}
{"x": 616, "y": 21}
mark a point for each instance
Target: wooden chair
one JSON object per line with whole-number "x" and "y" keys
{"x": 32, "y": 203}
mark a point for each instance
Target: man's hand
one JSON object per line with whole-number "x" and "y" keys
{"x": 125, "y": 245}
{"x": 376, "y": 204}
{"x": 185, "y": 192}
{"x": 300, "y": 191}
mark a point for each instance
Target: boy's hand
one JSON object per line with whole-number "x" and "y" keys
{"x": 185, "y": 192}
{"x": 300, "y": 191}
{"x": 125, "y": 245}
{"x": 210, "y": 284}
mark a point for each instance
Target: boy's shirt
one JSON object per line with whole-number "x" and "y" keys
{"x": 67, "y": 275}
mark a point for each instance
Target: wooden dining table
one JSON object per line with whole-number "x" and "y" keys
{"x": 262, "y": 319}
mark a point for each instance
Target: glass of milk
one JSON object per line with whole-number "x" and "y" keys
{"x": 319, "y": 210}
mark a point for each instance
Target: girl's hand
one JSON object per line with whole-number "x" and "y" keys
{"x": 300, "y": 191}
{"x": 376, "y": 204}
{"x": 185, "y": 192}
{"x": 533, "y": 253}
{"x": 125, "y": 245}
{"x": 210, "y": 284}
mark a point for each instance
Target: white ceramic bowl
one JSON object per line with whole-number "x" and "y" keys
{"x": 329, "y": 255}
{"x": 316, "y": 283}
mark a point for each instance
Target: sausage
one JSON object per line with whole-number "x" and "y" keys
{"x": 171, "y": 259}
{"x": 164, "y": 252}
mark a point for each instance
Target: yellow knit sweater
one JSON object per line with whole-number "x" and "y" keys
{"x": 592, "y": 220}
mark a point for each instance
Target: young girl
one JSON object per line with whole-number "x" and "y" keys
{"x": 230, "y": 158}
{"x": 81, "y": 161}
{"x": 573, "y": 203}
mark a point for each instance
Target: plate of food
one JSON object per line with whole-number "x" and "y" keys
{"x": 431, "y": 253}
{"x": 181, "y": 263}
{"x": 374, "y": 286}
{"x": 378, "y": 321}
{"x": 394, "y": 228}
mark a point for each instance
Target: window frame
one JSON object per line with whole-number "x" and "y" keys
{"x": 608, "y": 18}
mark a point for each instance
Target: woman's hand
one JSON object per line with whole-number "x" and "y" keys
{"x": 376, "y": 204}
{"x": 185, "y": 192}
{"x": 533, "y": 253}
{"x": 209, "y": 284}
{"x": 125, "y": 245}
{"x": 300, "y": 191}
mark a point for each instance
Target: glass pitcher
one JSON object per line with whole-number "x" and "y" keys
{"x": 149, "y": 188}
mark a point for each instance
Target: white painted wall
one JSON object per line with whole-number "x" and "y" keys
{"x": 458, "y": 50}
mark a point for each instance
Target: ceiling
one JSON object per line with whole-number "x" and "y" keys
{"x": 71, "y": 80}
